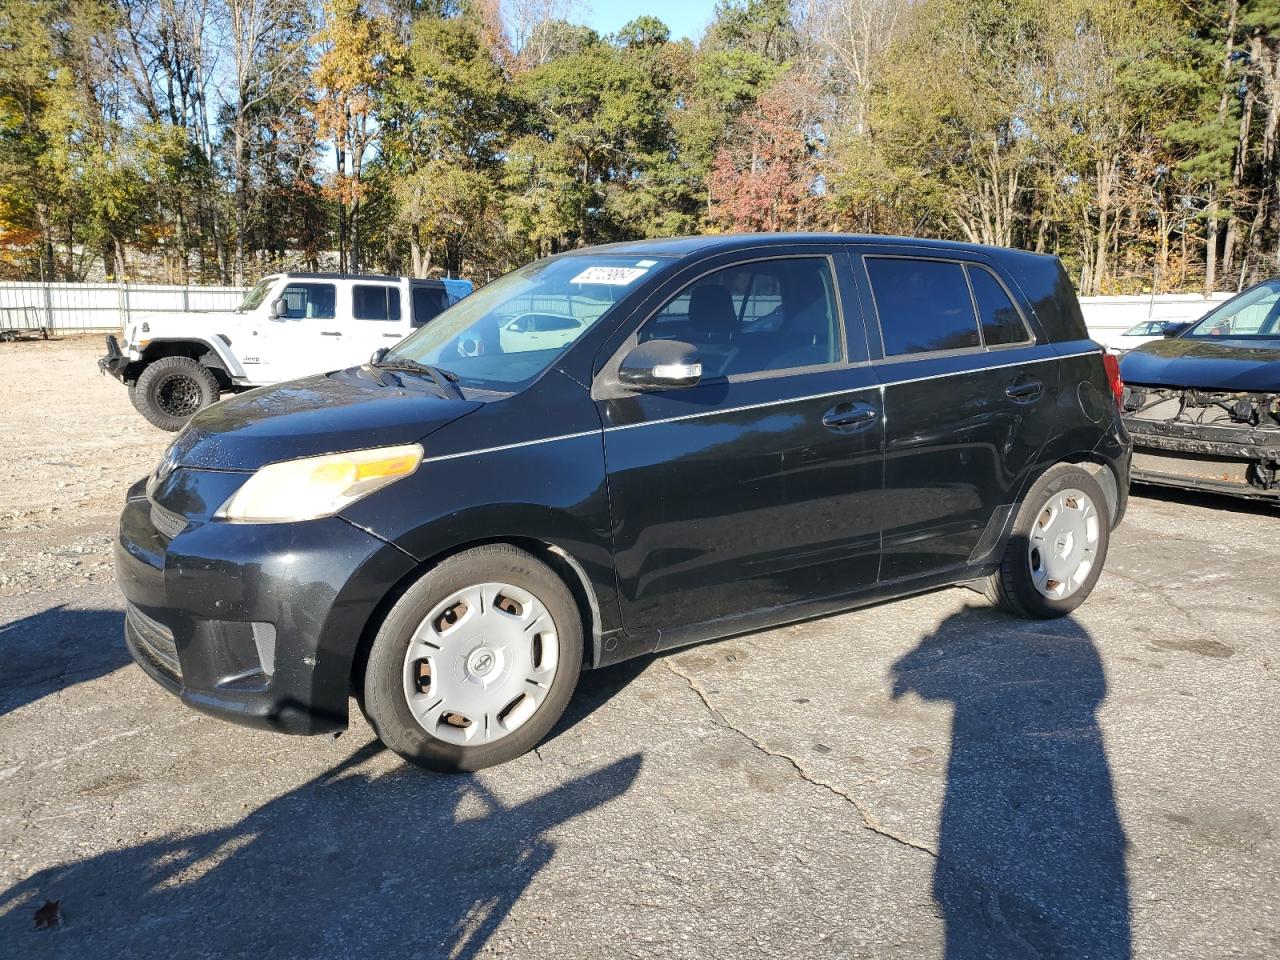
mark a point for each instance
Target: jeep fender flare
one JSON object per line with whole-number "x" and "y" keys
{"x": 215, "y": 345}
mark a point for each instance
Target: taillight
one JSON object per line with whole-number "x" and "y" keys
{"x": 1112, "y": 363}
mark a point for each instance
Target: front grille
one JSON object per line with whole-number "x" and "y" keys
{"x": 154, "y": 640}
{"x": 169, "y": 524}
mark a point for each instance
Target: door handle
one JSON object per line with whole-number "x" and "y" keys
{"x": 393, "y": 336}
{"x": 846, "y": 416}
{"x": 330, "y": 333}
{"x": 1025, "y": 391}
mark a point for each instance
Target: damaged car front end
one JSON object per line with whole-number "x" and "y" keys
{"x": 1207, "y": 440}
{"x": 1203, "y": 406}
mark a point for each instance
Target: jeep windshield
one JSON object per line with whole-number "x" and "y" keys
{"x": 256, "y": 295}
{"x": 509, "y": 331}
{"x": 1253, "y": 315}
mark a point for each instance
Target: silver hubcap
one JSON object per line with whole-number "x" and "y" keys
{"x": 481, "y": 663}
{"x": 1063, "y": 544}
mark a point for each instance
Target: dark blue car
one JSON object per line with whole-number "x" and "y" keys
{"x": 1203, "y": 405}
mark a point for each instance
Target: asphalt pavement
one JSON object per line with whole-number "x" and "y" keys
{"x": 927, "y": 778}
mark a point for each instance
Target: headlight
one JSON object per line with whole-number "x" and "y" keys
{"x": 318, "y": 486}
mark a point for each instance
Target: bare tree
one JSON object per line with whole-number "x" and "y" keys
{"x": 524, "y": 17}
{"x": 265, "y": 42}
{"x": 847, "y": 36}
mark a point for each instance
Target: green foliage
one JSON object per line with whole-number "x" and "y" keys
{"x": 1135, "y": 138}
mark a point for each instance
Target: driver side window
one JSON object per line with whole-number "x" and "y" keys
{"x": 309, "y": 301}
{"x": 769, "y": 315}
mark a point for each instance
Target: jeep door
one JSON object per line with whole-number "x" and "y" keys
{"x": 969, "y": 399}
{"x": 379, "y": 318}
{"x": 758, "y": 487}
{"x": 302, "y": 341}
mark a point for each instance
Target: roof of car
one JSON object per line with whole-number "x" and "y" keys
{"x": 684, "y": 246}
{"x": 305, "y": 275}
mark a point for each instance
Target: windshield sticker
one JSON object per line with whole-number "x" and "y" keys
{"x": 645, "y": 263}
{"x": 617, "y": 276}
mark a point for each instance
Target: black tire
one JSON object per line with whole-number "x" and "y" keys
{"x": 1012, "y": 587}
{"x": 383, "y": 698}
{"x": 171, "y": 390}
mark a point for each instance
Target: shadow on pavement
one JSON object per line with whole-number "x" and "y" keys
{"x": 352, "y": 863}
{"x": 1205, "y": 499}
{"x": 55, "y": 649}
{"x": 1031, "y": 853}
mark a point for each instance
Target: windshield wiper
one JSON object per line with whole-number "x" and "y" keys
{"x": 446, "y": 380}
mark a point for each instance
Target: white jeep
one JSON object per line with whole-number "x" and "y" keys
{"x": 288, "y": 326}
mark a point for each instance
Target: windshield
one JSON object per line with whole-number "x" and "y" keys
{"x": 1254, "y": 315}
{"x": 256, "y": 295}
{"x": 511, "y": 330}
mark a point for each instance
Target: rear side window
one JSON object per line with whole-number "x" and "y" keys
{"x": 923, "y": 305}
{"x": 1001, "y": 321}
{"x": 375, "y": 303}
{"x": 309, "y": 301}
{"x": 428, "y": 303}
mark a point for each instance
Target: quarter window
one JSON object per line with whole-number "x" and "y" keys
{"x": 1001, "y": 321}
{"x": 375, "y": 303}
{"x": 761, "y": 316}
{"x": 923, "y": 305}
{"x": 309, "y": 301}
{"x": 428, "y": 303}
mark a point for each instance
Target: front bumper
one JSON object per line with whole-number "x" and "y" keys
{"x": 116, "y": 361}
{"x": 1237, "y": 460}
{"x": 258, "y": 624}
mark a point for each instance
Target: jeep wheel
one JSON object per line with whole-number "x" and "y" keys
{"x": 1057, "y": 547}
{"x": 476, "y": 662}
{"x": 172, "y": 389}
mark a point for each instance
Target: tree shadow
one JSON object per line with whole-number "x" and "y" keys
{"x": 55, "y": 649}
{"x": 350, "y": 863}
{"x": 1031, "y": 852}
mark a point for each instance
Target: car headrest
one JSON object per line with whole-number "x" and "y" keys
{"x": 711, "y": 311}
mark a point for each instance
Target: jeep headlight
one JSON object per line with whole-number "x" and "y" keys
{"x": 317, "y": 487}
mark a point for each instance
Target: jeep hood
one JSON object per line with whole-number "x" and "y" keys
{"x": 350, "y": 409}
{"x": 207, "y": 322}
{"x": 1250, "y": 366}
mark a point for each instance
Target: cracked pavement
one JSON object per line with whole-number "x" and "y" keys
{"x": 926, "y": 778}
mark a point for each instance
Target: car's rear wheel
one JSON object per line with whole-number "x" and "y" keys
{"x": 171, "y": 390}
{"x": 1057, "y": 548}
{"x": 475, "y": 662}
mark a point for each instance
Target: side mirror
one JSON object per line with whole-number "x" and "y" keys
{"x": 1171, "y": 330}
{"x": 279, "y": 308}
{"x": 378, "y": 356}
{"x": 661, "y": 365}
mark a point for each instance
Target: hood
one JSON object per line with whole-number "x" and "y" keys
{"x": 205, "y": 319}
{"x": 328, "y": 413}
{"x": 1251, "y": 366}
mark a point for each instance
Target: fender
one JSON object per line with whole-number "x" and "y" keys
{"x": 215, "y": 345}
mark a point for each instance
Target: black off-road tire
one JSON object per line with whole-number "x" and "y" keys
{"x": 1011, "y": 587}
{"x": 382, "y": 698}
{"x": 171, "y": 390}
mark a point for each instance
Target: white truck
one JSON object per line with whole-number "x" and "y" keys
{"x": 288, "y": 326}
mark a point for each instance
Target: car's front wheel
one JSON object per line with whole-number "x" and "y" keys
{"x": 171, "y": 390}
{"x": 1057, "y": 547}
{"x": 476, "y": 661}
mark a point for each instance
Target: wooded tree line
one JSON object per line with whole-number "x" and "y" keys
{"x": 215, "y": 140}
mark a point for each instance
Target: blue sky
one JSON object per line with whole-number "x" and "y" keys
{"x": 686, "y": 18}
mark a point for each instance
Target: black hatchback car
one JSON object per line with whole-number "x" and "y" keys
{"x": 618, "y": 451}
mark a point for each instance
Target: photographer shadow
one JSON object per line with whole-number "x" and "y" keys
{"x": 1031, "y": 852}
